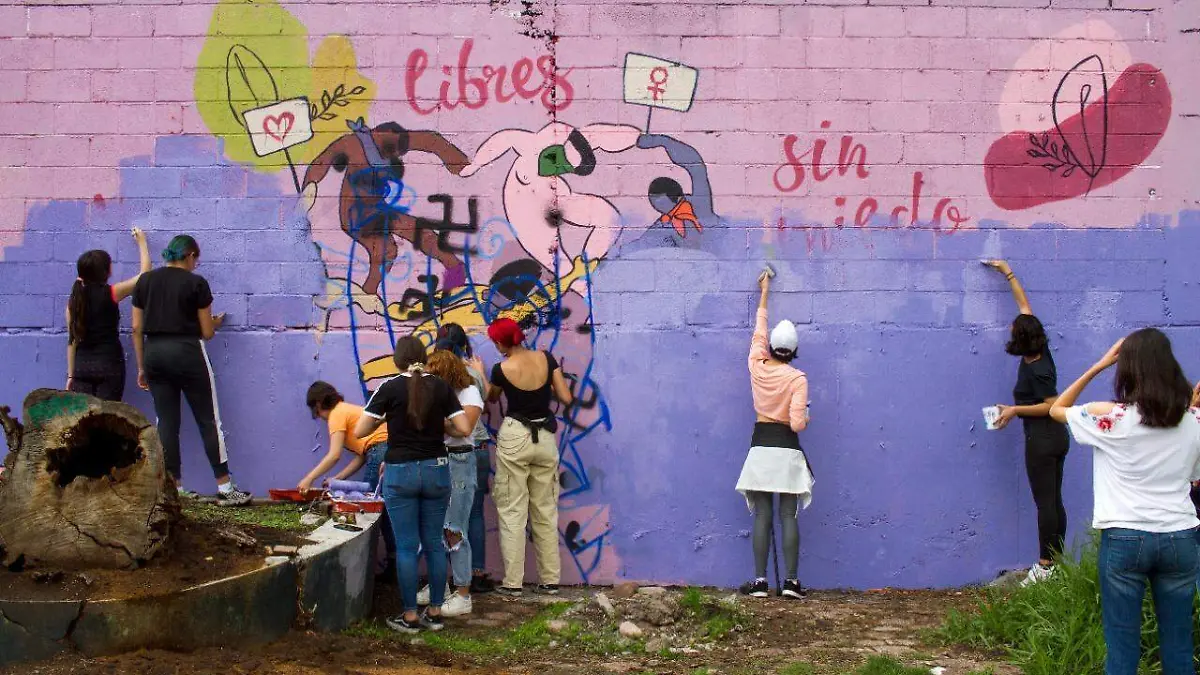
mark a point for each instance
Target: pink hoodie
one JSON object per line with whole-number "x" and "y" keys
{"x": 780, "y": 391}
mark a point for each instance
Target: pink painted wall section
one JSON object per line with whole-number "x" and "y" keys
{"x": 613, "y": 176}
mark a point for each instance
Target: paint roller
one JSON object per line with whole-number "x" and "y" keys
{"x": 349, "y": 486}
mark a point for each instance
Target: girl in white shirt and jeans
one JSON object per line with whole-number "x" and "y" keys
{"x": 1147, "y": 452}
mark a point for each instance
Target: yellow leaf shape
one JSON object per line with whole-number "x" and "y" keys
{"x": 339, "y": 93}
{"x": 256, "y": 53}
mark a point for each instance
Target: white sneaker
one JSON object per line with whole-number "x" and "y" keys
{"x": 456, "y": 605}
{"x": 423, "y": 595}
{"x": 1037, "y": 573}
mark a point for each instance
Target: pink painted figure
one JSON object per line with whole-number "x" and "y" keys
{"x": 546, "y": 213}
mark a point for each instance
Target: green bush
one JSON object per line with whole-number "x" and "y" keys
{"x": 1052, "y": 627}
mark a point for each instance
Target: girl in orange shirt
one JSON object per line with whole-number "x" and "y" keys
{"x": 328, "y": 404}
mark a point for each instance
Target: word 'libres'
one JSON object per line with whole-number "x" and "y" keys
{"x": 790, "y": 175}
{"x": 473, "y": 92}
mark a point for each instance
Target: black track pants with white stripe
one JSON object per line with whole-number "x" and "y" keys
{"x": 175, "y": 366}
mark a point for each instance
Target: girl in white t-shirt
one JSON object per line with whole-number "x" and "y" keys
{"x": 1147, "y": 453}
{"x": 463, "y": 475}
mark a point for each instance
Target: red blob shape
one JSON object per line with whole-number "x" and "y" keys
{"x": 1138, "y": 110}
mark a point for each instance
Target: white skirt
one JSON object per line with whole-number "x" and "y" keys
{"x": 776, "y": 470}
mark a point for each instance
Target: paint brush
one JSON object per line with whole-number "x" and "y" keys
{"x": 768, "y": 270}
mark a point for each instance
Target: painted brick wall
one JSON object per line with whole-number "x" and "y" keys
{"x": 872, "y": 153}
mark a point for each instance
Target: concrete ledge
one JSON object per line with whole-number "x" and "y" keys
{"x": 328, "y": 586}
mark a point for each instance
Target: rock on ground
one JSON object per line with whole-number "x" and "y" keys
{"x": 630, "y": 630}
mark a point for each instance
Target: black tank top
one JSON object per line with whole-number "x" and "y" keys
{"x": 532, "y": 405}
{"x": 101, "y": 320}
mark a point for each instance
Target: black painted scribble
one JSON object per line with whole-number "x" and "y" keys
{"x": 417, "y": 303}
{"x": 446, "y": 224}
{"x": 1058, "y": 154}
{"x": 244, "y": 66}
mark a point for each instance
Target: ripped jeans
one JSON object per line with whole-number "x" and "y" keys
{"x": 463, "y": 479}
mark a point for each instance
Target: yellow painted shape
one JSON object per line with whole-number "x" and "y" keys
{"x": 256, "y": 54}
{"x": 335, "y": 69}
{"x": 465, "y": 314}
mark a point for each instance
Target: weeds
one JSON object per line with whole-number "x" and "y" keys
{"x": 1052, "y": 627}
{"x": 275, "y": 516}
{"x": 717, "y": 618}
{"x": 530, "y": 635}
{"x": 798, "y": 668}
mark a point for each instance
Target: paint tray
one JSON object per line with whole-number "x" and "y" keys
{"x": 294, "y": 495}
{"x": 357, "y": 506}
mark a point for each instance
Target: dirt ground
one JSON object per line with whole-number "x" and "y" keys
{"x": 832, "y": 632}
{"x": 197, "y": 553}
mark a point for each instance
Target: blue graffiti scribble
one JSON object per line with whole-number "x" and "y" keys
{"x": 378, "y": 193}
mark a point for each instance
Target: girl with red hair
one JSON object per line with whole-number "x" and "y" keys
{"x": 526, "y": 487}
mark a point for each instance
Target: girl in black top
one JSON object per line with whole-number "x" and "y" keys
{"x": 172, "y": 317}
{"x": 1046, "y": 441}
{"x": 526, "y": 489}
{"x": 419, "y": 409}
{"x": 95, "y": 359}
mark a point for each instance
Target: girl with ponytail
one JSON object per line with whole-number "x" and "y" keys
{"x": 95, "y": 359}
{"x": 419, "y": 408}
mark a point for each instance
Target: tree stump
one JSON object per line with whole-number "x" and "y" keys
{"x": 85, "y": 485}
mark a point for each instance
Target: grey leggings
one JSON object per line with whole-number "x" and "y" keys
{"x": 764, "y": 507}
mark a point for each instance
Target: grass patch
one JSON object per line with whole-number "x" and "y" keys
{"x": 717, "y": 618}
{"x": 1052, "y": 627}
{"x": 530, "y": 635}
{"x": 798, "y": 668}
{"x": 883, "y": 665}
{"x": 274, "y": 516}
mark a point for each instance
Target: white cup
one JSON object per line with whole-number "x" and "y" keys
{"x": 991, "y": 415}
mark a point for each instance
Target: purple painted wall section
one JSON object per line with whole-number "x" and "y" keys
{"x": 872, "y": 154}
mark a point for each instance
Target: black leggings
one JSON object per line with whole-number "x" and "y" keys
{"x": 101, "y": 375}
{"x": 763, "y": 503}
{"x": 180, "y": 365}
{"x": 1046, "y": 445}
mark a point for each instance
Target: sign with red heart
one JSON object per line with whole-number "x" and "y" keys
{"x": 278, "y": 126}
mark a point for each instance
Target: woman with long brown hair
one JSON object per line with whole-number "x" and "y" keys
{"x": 1146, "y": 445}
{"x": 95, "y": 359}
{"x": 461, "y": 451}
{"x": 416, "y": 474}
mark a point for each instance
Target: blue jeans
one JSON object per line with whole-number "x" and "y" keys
{"x": 374, "y": 456}
{"x": 416, "y": 495}
{"x": 458, "y": 516}
{"x": 1169, "y": 561}
{"x": 476, "y": 532}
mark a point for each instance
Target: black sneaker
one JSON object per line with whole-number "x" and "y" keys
{"x": 481, "y": 584}
{"x": 793, "y": 589}
{"x": 509, "y": 592}
{"x": 433, "y": 623}
{"x": 756, "y": 589}
{"x": 401, "y": 625}
{"x": 546, "y": 589}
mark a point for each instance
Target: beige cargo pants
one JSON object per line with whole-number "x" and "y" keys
{"x": 526, "y": 491}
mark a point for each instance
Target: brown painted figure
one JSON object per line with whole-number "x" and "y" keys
{"x": 371, "y": 162}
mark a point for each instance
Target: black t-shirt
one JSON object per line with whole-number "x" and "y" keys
{"x": 532, "y": 405}
{"x": 101, "y": 321}
{"x": 171, "y": 298}
{"x": 405, "y": 442}
{"x": 1036, "y": 381}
